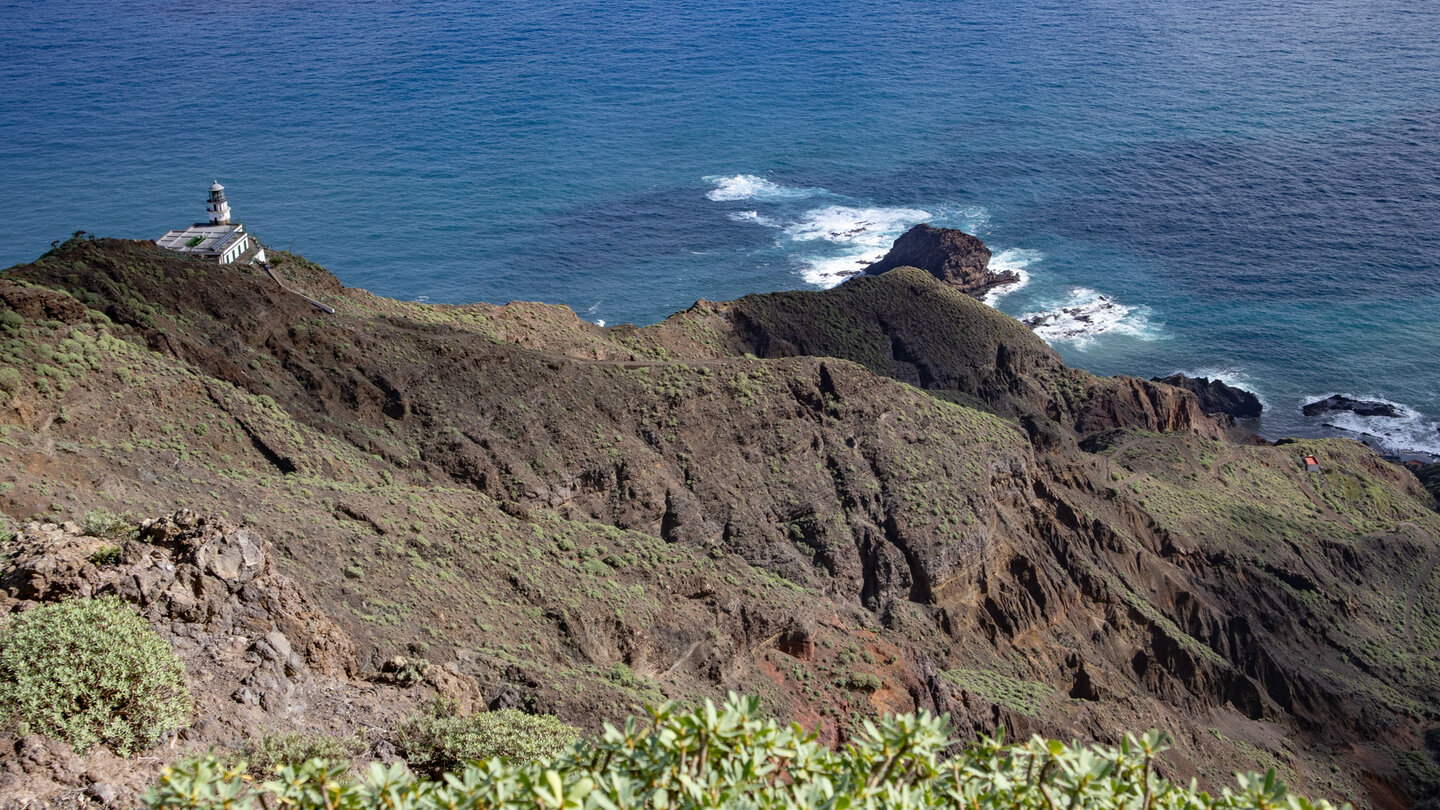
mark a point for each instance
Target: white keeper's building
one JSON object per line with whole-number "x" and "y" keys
{"x": 219, "y": 240}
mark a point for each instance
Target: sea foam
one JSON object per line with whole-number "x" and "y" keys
{"x": 755, "y": 217}
{"x": 1086, "y": 315}
{"x": 1011, "y": 260}
{"x": 864, "y": 234}
{"x": 834, "y": 242}
{"x": 843, "y": 224}
{"x": 753, "y": 187}
{"x": 1410, "y": 432}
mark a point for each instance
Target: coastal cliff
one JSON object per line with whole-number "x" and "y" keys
{"x": 879, "y": 497}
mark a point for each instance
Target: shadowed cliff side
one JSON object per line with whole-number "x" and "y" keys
{"x": 906, "y": 326}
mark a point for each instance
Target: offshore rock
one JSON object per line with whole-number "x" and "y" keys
{"x": 1359, "y": 407}
{"x": 1217, "y": 397}
{"x": 951, "y": 255}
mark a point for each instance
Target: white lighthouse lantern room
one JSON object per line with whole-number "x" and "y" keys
{"x": 219, "y": 207}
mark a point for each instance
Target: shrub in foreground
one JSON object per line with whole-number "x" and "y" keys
{"x": 712, "y": 758}
{"x": 443, "y": 740}
{"x": 267, "y": 752}
{"x": 88, "y": 671}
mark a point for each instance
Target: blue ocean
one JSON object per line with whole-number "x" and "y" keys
{"x": 1243, "y": 189}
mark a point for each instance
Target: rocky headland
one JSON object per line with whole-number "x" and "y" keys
{"x": 948, "y": 254}
{"x": 875, "y": 498}
{"x": 1217, "y": 397}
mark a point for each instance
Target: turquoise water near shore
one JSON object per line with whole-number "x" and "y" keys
{"x": 1248, "y": 189}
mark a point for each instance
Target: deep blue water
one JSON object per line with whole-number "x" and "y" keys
{"x": 1254, "y": 186}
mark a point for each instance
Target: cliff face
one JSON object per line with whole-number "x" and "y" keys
{"x": 1216, "y": 397}
{"x": 952, "y": 256}
{"x": 777, "y": 495}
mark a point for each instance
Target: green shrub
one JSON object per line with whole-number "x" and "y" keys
{"x": 272, "y": 750}
{"x": 10, "y": 380}
{"x": 714, "y": 758}
{"x": 863, "y": 682}
{"x": 1024, "y": 697}
{"x": 90, "y": 670}
{"x": 442, "y": 740}
{"x": 624, "y": 677}
{"x": 103, "y": 523}
{"x": 106, "y": 555}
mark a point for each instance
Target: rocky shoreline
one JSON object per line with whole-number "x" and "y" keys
{"x": 962, "y": 261}
{"x": 1216, "y": 396}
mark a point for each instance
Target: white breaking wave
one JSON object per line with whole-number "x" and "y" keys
{"x": 866, "y": 233}
{"x": 835, "y": 242}
{"x": 753, "y": 187}
{"x": 1086, "y": 315}
{"x": 1012, "y": 260}
{"x": 842, "y": 224}
{"x": 1410, "y": 432}
{"x": 827, "y": 272}
{"x": 755, "y": 217}
{"x": 852, "y": 236}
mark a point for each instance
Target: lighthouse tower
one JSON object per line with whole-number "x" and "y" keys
{"x": 218, "y": 207}
{"x": 219, "y": 240}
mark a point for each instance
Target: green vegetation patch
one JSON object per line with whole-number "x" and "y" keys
{"x": 264, "y": 754}
{"x": 1023, "y": 697}
{"x": 90, "y": 671}
{"x": 729, "y": 757}
{"x": 896, "y": 324}
{"x": 103, "y": 523}
{"x": 442, "y": 740}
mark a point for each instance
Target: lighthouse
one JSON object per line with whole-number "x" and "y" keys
{"x": 219, "y": 240}
{"x": 218, "y": 206}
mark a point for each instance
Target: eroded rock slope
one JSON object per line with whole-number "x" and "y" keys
{"x": 878, "y": 497}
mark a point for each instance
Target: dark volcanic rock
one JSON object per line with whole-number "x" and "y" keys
{"x": 1429, "y": 475}
{"x": 951, "y": 255}
{"x": 1360, "y": 407}
{"x": 1217, "y": 397}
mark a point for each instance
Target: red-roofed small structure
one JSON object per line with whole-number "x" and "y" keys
{"x": 1312, "y": 464}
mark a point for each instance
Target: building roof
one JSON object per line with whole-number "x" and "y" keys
{"x": 215, "y": 186}
{"x": 205, "y": 240}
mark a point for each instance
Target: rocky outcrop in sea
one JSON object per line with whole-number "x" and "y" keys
{"x": 951, "y": 255}
{"x": 1359, "y": 407}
